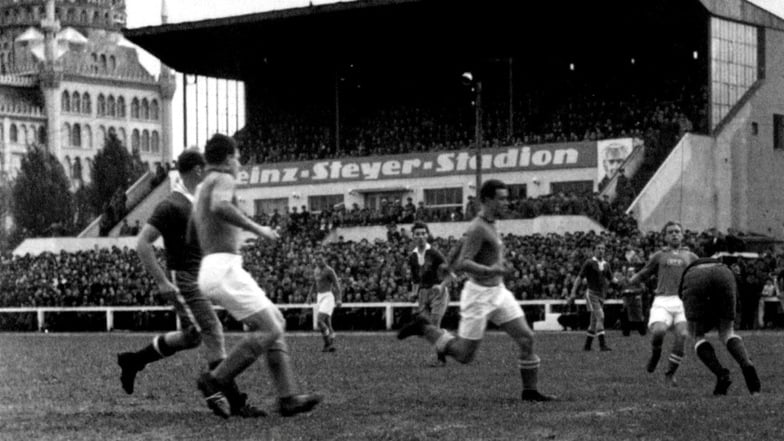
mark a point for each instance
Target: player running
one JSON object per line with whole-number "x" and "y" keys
{"x": 429, "y": 287}
{"x": 222, "y": 279}
{"x": 197, "y": 317}
{"x": 667, "y": 309}
{"x": 484, "y": 296}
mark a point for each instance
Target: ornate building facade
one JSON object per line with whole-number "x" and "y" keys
{"x": 68, "y": 80}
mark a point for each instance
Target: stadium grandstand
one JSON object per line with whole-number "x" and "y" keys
{"x": 606, "y": 119}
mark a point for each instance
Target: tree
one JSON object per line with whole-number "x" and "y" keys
{"x": 113, "y": 170}
{"x": 42, "y": 203}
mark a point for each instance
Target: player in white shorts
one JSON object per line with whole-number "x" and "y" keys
{"x": 328, "y": 297}
{"x": 667, "y": 311}
{"x": 222, "y": 279}
{"x": 484, "y": 296}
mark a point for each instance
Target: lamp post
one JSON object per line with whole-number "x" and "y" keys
{"x": 476, "y": 87}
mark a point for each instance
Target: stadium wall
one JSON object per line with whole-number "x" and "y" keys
{"x": 757, "y": 165}
{"x": 681, "y": 188}
{"x": 541, "y": 225}
{"x": 72, "y": 244}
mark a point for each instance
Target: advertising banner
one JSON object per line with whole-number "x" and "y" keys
{"x": 421, "y": 165}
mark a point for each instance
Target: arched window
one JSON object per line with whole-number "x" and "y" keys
{"x": 77, "y": 169}
{"x": 123, "y": 137}
{"x": 89, "y": 165}
{"x": 42, "y": 135}
{"x": 86, "y": 104}
{"x": 111, "y": 106}
{"x": 135, "y": 140}
{"x": 103, "y": 63}
{"x": 13, "y": 134}
{"x": 76, "y": 135}
{"x": 120, "y": 107}
{"x": 76, "y": 102}
{"x": 96, "y": 17}
{"x": 101, "y": 105}
{"x": 154, "y": 110}
{"x": 101, "y": 136}
{"x": 145, "y": 109}
{"x": 22, "y": 134}
{"x": 155, "y": 142}
{"x": 87, "y": 136}
{"x": 145, "y": 141}
{"x": 65, "y": 136}
{"x": 135, "y": 108}
{"x": 65, "y": 105}
{"x": 83, "y": 16}
{"x": 112, "y": 63}
{"x": 106, "y": 18}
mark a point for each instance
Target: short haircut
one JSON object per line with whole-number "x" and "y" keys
{"x": 189, "y": 159}
{"x": 669, "y": 224}
{"x": 489, "y": 188}
{"x": 419, "y": 225}
{"x": 218, "y": 148}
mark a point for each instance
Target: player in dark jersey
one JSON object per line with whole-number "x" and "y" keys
{"x": 329, "y": 296}
{"x": 597, "y": 273}
{"x": 667, "y": 308}
{"x": 429, "y": 278}
{"x": 484, "y": 296}
{"x": 709, "y": 294}
{"x": 199, "y": 322}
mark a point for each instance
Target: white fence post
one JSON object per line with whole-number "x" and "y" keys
{"x": 390, "y": 316}
{"x": 39, "y": 315}
{"x": 109, "y": 319}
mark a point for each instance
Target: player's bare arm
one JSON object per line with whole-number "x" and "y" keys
{"x": 222, "y": 205}
{"x": 146, "y": 252}
{"x": 647, "y": 271}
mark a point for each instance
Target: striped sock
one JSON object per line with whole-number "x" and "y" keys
{"x": 675, "y": 361}
{"x": 529, "y": 372}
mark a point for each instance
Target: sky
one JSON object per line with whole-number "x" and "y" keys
{"x": 148, "y": 13}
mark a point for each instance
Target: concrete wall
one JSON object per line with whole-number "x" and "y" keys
{"x": 541, "y": 224}
{"x": 680, "y": 189}
{"x": 71, "y": 244}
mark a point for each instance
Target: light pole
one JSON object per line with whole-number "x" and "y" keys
{"x": 476, "y": 87}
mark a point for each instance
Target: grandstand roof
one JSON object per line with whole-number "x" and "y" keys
{"x": 237, "y": 47}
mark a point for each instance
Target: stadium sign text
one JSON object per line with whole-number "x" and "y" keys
{"x": 421, "y": 165}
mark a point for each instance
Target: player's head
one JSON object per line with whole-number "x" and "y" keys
{"x": 190, "y": 163}
{"x": 494, "y": 196}
{"x": 321, "y": 259}
{"x": 421, "y": 233}
{"x": 614, "y": 155}
{"x": 221, "y": 150}
{"x": 673, "y": 234}
{"x": 599, "y": 249}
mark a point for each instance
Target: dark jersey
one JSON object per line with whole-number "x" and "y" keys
{"x": 598, "y": 275}
{"x": 669, "y": 265}
{"x": 426, "y": 275}
{"x": 171, "y": 219}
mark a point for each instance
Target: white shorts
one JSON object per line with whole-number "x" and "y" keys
{"x": 668, "y": 310}
{"x": 223, "y": 280}
{"x": 478, "y": 304}
{"x": 326, "y": 302}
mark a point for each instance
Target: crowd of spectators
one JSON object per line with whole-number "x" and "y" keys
{"x": 585, "y": 114}
{"x": 369, "y": 271}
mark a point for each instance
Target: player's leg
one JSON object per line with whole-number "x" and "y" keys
{"x": 161, "y": 346}
{"x": 438, "y": 304}
{"x": 680, "y": 334}
{"x": 598, "y": 313}
{"x": 658, "y": 323}
{"x": 737, "y": 349}
{"x": 331, "y": 333}
{"x": 591, "y": 332}
{"x": 324, "y": 329}
{"x": 528, "y": 361}
{"x": 326, "y": 306}
{"x": 707, "y": 355}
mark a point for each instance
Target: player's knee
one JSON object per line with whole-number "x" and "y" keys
{"x": 191, "y": 337}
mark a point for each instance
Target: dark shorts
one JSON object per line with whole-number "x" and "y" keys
{"x": 709, "y": 292}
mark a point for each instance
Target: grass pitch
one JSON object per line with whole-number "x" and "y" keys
{"x": 66, "y": 387}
